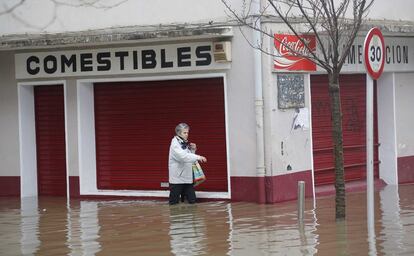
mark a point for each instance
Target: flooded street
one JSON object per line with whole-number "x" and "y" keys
{"x": 55, "y": 226}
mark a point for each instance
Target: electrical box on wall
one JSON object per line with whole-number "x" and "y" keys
{"x": 222, "y": 51}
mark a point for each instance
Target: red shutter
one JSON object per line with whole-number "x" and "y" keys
{"x": 50, "y": 140}
{"x": 135, "y": 122}
{"x": 353, "y": 91}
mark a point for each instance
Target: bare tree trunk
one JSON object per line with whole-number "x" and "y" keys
{"x": 334, "y": 93}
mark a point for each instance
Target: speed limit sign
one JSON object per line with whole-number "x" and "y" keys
{"x": 374, "y": 53}
{"x": 374, "y": 58}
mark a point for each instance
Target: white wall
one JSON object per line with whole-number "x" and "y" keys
{"x": 404, "y": 95}
{"x": 381, "y": 9}
{"x": 393, "y": 10}
{"x": 27, "y": 142}
{"x": 241, "y": 108}
{"x": 71, "y": 128}
{"x": 9, "y": 122}
{"x": 45, "y": 16}
{"x": 38, "y": 15}
{"x": 387, "y": 128}
{"x": 296, "y": 151}
{"x": 86, "y": 139}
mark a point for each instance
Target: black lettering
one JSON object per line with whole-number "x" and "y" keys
{"x": 398, "y": 54}
{"x": 52, "y": 60}
{"x": 164, "y": 63}
{"x": 135, "y": 59}
{"x": 351, "y": 55}
{"x": 359, "y": 54}
{"x": 86, "y": 62}
{"x": 203, "y": 54}
{"x": 387, "y": 55}
{"x": 393, "y": 54}
{"x": 65, "y": 62}
{"x": 183, "y": 55}
{"x": 372, "y": 49}
{"x": 405, "y": 54}
{"x": 378, "y": 54}
{"x": 29, "y": 68}
{"x": 121, "y": 56}
{"x": 104, "y": 61}
{"x": 148, "y": 59}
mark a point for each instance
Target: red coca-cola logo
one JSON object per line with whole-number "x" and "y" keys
{"x": 290, "y": 52}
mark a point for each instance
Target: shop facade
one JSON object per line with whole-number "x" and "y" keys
{"x": 96, "y": 119}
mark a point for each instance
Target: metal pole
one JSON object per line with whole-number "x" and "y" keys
{"x": 259, "y": 104}
{"x": 370, "y": 153}
{"x": 301, "y": 199}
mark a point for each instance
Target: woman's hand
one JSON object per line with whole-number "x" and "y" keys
{"x": 193, "y": 146}
{"x": 202, "y": 159}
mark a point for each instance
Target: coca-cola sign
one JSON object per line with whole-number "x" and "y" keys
{"x": 290, "y": 52}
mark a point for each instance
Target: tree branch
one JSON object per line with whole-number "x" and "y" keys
{"x": 12, "y": 8}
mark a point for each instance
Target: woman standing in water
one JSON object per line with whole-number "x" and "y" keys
{"x": 181, "y": 158}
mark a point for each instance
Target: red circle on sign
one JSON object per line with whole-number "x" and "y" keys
{"x": 375, "y": 73}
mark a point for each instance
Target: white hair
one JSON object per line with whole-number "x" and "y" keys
{"x": 180, "y": 127}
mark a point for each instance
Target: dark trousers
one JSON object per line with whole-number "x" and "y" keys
{"x": 187, "y": 190}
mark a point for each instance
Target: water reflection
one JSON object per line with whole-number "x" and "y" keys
{"x": 187, "y": 230}
{"x": 133, "y": 228}
{"x": 53, "y": 226}
{"x": 270, "y": 230}
{"x": 88, "y": 229}
{"x": 407, "y": 218}
{"x": 29, "y": 226}
{"x": 393, "y": 232}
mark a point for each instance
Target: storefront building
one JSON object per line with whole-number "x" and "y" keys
{"x": 93, "y": 115}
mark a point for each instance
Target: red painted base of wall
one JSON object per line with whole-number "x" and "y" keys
{"x": 285, "y": 187}
{"x": 350, "y": 186}
{"x": 270, "y": 189}
{"x": 248, "y": 189}
{"x": 9, "y": 186}
{"x": 405, "y": 169}
{"x": 74, "y": 189}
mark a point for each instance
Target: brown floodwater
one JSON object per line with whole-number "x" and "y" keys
{"x": 56, "y": 226}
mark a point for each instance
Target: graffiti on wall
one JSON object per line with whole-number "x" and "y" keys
{"x": 290, "y": 91}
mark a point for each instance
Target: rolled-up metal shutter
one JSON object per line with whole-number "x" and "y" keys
{"x": 353, "y": 104}
{"x": 135, "y": 122}
{"x": 50, "y": 140}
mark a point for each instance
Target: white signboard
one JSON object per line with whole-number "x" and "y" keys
{"x": 399, "y": 55}
{"x": 115, "y": 61}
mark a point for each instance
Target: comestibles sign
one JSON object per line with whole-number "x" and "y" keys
{"x": 127, "y": 60}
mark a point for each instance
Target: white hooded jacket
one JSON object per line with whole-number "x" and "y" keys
{"x": 180, "y": 163}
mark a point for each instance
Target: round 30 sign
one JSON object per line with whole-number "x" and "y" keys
{"x": 374, "y": 53}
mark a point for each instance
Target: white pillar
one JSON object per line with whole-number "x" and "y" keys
{"x": 387, "y": 134}
{"x": 258, "y": 84}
